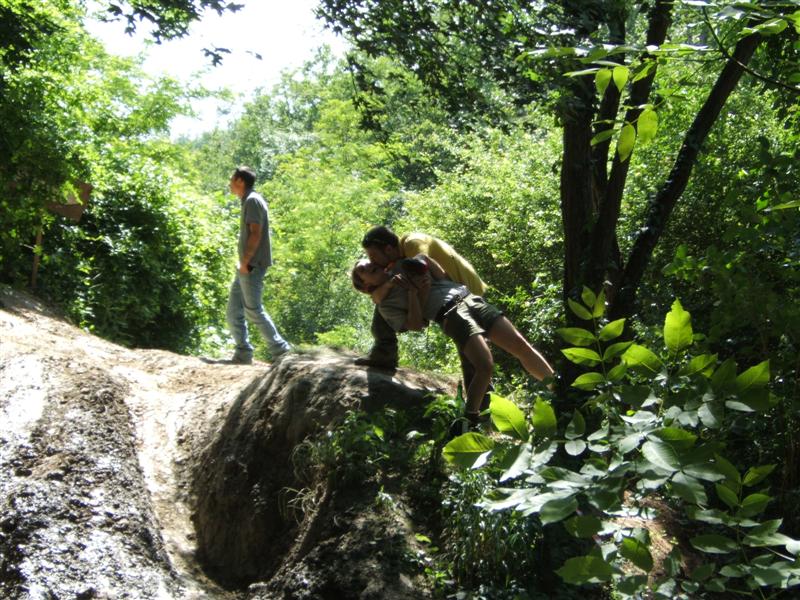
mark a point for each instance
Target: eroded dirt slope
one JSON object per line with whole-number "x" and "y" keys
{"x": 117, "y": 465}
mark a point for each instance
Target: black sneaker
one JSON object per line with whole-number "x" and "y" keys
{"x": 381, "y": 362}
{"x": 242, "y": 359}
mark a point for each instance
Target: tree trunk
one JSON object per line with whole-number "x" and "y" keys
{"x": 662, "y": 205}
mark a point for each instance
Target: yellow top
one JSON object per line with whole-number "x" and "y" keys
{"x": 457, "y": 267}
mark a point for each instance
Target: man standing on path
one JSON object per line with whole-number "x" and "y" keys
{"x": 255, "y": 256}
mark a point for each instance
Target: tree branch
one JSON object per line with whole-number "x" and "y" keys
{"x": 662, "y": 205}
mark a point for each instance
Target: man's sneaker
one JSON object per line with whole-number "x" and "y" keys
{"x": 277, "y": 353}
{"x": 380, "y": 361}
{"x": 242, "y": 359}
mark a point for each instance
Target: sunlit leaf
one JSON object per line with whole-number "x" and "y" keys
{"x": 576, "y": 336}
{"x": 642, "y": 359}
{"x": 580, "y": 311}
{"x": 543, "y": 418}
{"x": 756, "y": 475}
{"x": 508, "y": 418}
{"x": 678, "y": 333}
{"x": 601, "y": 80}
{"x": 558, "y": 509}
{"x": 612, "y": 330}
{"x": 620, "y": 76}
{"x": 582, "y": 356}
{"x": 647, "y": 125}
{"x": 588, "y": 381}
{"x": 714, "y": 544}
{"x": 466, "y": 449}
{"x": 627, "y": 138}
{"x": 585, "y": 569}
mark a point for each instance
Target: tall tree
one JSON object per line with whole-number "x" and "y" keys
{"x": 596, "y": 64}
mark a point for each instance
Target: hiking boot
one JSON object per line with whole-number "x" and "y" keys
{"x": 379, "y": 360}
{"x": 242, "y": 359}
{"x": 278, "y": 352}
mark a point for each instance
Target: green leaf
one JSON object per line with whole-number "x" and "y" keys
{"x": 769, "y": 27}
{"x": 575, "y": 447}
{"x": 576, "y": 336}
{"x": 583, "y": 526}
{"x": 647, "y": 125}
{"x": 577, "y": 426}
{"x": 690, "y": 489}
{"x": 724, "y": 466}
{"x": 678, "y": 438}
{"x": 714, "y": 544}
{"x": 580, "y": 311}
{"x": 662, "y": 455}
{"x": 756, "y": 475}
{"x": 724, "y": 378}
{"x": 588, "y": 381}
{"x": 627, "y": 138}
{"x": 601, "y": 80}
{"x": 543, "y": 418}
{"x": 711, "y": 414}
{"x": 698, "y": 364}
{"x": 585, "y": 569}
{"x": 617, "y": 373}
{"x": 753, "y": 504}
{"x": 637, "y": 552}
{"x": 703, "y": 572}
{"x": 582, "y": 72}
{"x": 620, "y": 75}
{"x": 602, "y": 136}
{"x": 678, "y": 333}
{"x": 599, "y": 305}
{"x": 464, "y": 450}
{"x": 754, "y": 377}
{"x": 727, "y": 495}
{"x": 508, "y": 418}
{"x": 763, "y": 540}
{"x": 615, "y": 350}
{"x": 642, "y": 359}
{"x": 588, "y": 297}
{"x": 557, "y": 509}
{"x": 704, "y": 471}
{"x": 612, "y": 330}
{"x": 582, "y": 356}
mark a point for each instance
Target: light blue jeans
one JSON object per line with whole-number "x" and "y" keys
{"x": 244, "y": 301}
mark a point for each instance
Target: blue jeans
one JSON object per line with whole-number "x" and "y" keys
{"x": 245, "y": 301}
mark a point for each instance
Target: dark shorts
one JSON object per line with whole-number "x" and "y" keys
{"x": 473, "y": 316}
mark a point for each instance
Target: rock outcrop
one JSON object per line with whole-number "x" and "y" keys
{"x": 145, "y": 474}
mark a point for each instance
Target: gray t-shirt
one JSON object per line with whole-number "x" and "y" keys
{"x": 255, "y": 210}
{"x": 394, "y": 308}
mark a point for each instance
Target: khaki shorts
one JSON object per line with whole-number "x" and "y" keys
{"x": 472, "y": 316}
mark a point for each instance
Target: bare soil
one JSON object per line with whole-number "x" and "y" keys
{"x": 146, "y": 474}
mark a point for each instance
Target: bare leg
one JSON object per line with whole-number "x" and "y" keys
{"x": 480, "y": 357}
{"x": 506, "y": 336}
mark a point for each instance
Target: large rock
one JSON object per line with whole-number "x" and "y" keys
{"x": 144, "y": 474}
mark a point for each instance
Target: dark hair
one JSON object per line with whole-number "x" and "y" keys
{"x": 380, "y": 236}
{"x": 359, "y": 283}
{"x": 247, "y": 175}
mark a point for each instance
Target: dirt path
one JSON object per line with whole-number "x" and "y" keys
{"x": 169, "y": 400}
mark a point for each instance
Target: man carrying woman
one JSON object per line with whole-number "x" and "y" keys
{"x": 415, "y": 292}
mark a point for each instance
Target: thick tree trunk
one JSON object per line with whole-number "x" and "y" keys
{"x": 602, "y": 260}
{"x": 576, "y": 184}
{"x": 662, "y": 205}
